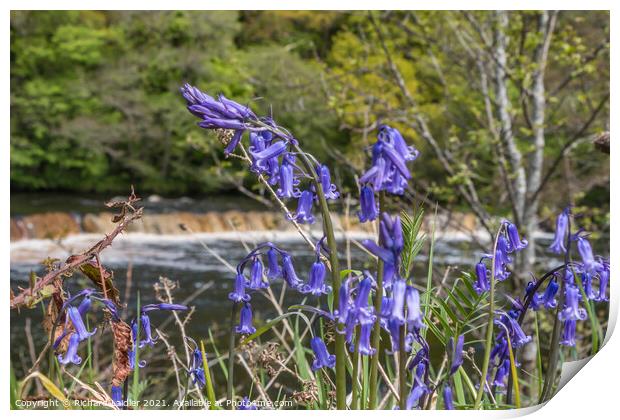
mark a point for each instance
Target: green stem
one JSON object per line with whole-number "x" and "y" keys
{"x": 489, "y": 335}
{"x": 355, "y": 373}
{"x": 555, "y": 335}
{"x": 328, "y": 228}
{"x": 402, "y": 368}
{"x": 231, "y": 355}
{"x": 135, "y": 386}
{"x": 376, "y": 331}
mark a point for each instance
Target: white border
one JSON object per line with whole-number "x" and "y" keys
{"x": 593, "y": 393}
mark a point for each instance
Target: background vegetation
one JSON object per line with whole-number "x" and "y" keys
{"x": 95, "y": 103}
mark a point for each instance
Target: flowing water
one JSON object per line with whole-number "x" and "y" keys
{"x": 184, "y": 259}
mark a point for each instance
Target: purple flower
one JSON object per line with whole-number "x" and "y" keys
{"x": 145, "y": 325}
{"x": 117, "y": 395}
{"x": 509, "y": 322}
{"x": 316, "y": 280}
{"x": 239, "y": 294}
{"x": 329, "y": 190}
{"x": 398, "y": 306}
{"x": 502, "y": 373}
{"x": 287, "y": 179}
{"x": 414, "y": 315}
{"x": 288, "y": 272}
{"x": 369, "y": 210}
{"x": 303, "y": 214}
{"x": 482, "y": 280}
{"x": 260, "y": 158}
{"x": 71, "y": 355}
{"x": 197, "y": 371}
{"x": 586, "y": 280}
{"x": 585, "y": 251}
{"x": 245, "y": 320}
{"x": 457, "y": 353}
{"x": 163, "y": 307}
{"x": 85, "y": 305}
{"x": 568, "y": 333}
{"x": 447, "y": 398}
{"x": 321, "y": 357}
{"x": 273, "y": 268}
{"x": 365, "y": 346}
{"x": 246, "y": 404}
{"x": 256, "y": 276}
{"x": 419, "y": 388}
{"x": 603, "y": 276}
{"x": 515, "y": 242}
{"x": 76, "y": 319}
{"x": 561, "y": 228}
{"x": 548, "y": 297}
{"x": 571, "y": 305}
{"x": 216, "y": 113}
{"x": 344, "y": 302}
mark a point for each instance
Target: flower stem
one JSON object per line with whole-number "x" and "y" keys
{"x": 402, "y": 369}
{"x": 355, "y": 374}
{"x": 490, "y": 320}
{"x": 376, "y": 331}
{"x": 555, "y": 335}
{"x": 328, "y": 228}
{"x": 231, "y": 354}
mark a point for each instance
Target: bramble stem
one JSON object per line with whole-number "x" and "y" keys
{"x": 489, "y": 335}
{"x": 231, "y": 354}
{"x": 376, "y": 331}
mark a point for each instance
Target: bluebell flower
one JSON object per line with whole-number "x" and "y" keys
{"x": 197, "y": 372}
{"x": 344, "y": 302}
{"x": 392, "y": 136}
{"x": 321, "y": 356}
{"x": 246, "y": 404}
{"x": 145, "y": 326}
{"x": 245, "y": 320}
{"x": 239, "y": 294}
{"x": 329, "y": 190}
{"x": 71, "y": 355}
{"x": 398, "y": 305}
{"x": 561, "y": 229}
{"x": 418, "y": 389}
{"x": 571, "y": 304}
{"x": 221, "y": 113}
{"x": 590, "y": 265}
{"x": 288, "y": 272}
{"x": 76, "y": 319}
{"x": 273, "y": 268}
{"x": 586, "y": 281}
{"x": 365, "y": 346}
{"x": 256, "y": 276}
{"x": 260, "y": 159}
{"x": 603, "y": 282}
{"x": 316, "y": 280}
{"x": 548, "y": 297}
{"x": 368, "y": 206}
{"x": 515, "y": 242}
{"x": 518, "y": 338}
{"x": 85, "y": 305}
{"x": 482, "y": 283}
{"x": 288, "y": 182}
{"x": 376, "y": 175}
{"x": 447, "y": 398}
{"x": 415, "y": 318}
{"x": 163, "y": 307}
{"x": 303, "y": 214}
{"x": 568, "y": 333}
{"x": 502, "y": 372}
{"x": 117, "y": 395}
{"x": 457, "y": 353}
